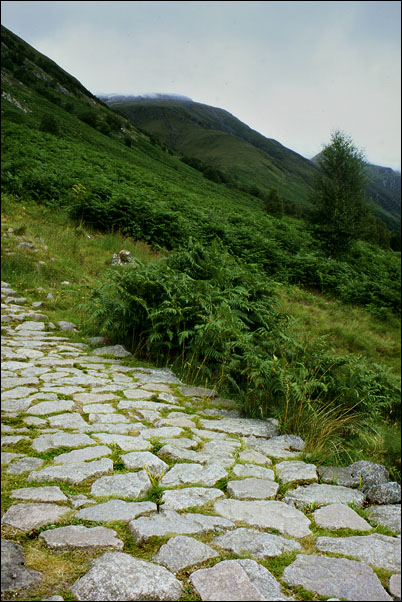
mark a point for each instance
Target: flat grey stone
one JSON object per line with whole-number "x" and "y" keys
{"x": 181, "y": 422}
{"x": 395, "y": 586}
{"x": 39, "y": 494}
{"x": 322, "y": 494}
{"x": 119, "y": 576}
{"x": 170, "y": 522}
{"x": 147, "y": 460}
{"x": 128, "y": 485}
{"x": 53, "y": 441}
{"x": 98, "y": 408}
{"x": 17, "y": 393}
{"x": 261, "y": 545}
{"x": 145, "y": 376}
{"x": 189, "y": 497}
{"x": 193, "y": 474}
{"x": 81, "y": 455}
{"x": 381, "y": 551}
{"x": 340, "y": 516}
{"x": 252, "y": 488}
{"x": 162, "y": 432}
{"x": 117, "y": 351}
{"x": 30, "y": 326}
{"x": 80, "y": 537}
{"x": 296, "y": 472}
{"x": 7, "y": 457}
{"x": 265, "y": 514}
{"x": 388, "y": 516}
{"x": 138, "y": 394}
{"x": 345, "y": 579}
{"x": 369, "y": 474}
{"x": 386, "y": 493}
{"x": 14, "y": 575}
{"x": 24, "y": 464}
{"x": 254, "y": 457}
{"x": 178, "y": 453}
{"x": 280, "y": 447}
{"x": 250, "y": 470}
{"x": 35, "y": 421}
{"x": 117, "y": 510}
{"x": 241, "y": 426}
{"x": 236, "y": 580}
{"x": 79, "y": 500}
{"x": 89, "y": 398}
{"x": 124, "y": 442}
{"x": 74, "y": 473}
{"x": 72, "y": 420}
{"x": 31, "y": 516}
{"x": 182, "y": 552}
{"x": 53, "y": 599}
{"x": 336, "y": 475}
{"x": 108, "y": 418}
{"x": 145, "y": 404}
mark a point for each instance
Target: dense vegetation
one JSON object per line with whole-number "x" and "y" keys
{"x": 209, "y": 307}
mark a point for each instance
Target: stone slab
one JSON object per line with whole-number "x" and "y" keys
{"x": 241, "y": 426}
{"x": 117, "y": 510}
{"x": 338, "y": 475}
{"x": 251, "y": 542}
{"x": 335, "y": 577}
{"x": 32, "y": 516}
{"x": 80, "y": 537}
{"x": 380, "y": 551}
{"x": 250, "y": 470}
{"x": 40, "y": 494}
{"x": 74, "y": 473}
{"x": 170, "y": 522}
{"x": 232, "y": 580}
{"x": 395, "y": 586}
{"x": 340, "y": 516}
{"x": 82, "y": 455}
{"x": 252, "y": 489}
{"x": 137, "y": 460}
{"x": 254, "y": 457}
{"x": 24, "y": 464}
{"x": 183, "y": 552}
{"x": 60, "y": 439}
{"x": 124, "y": 442}
{"x": 388, "y": 516}
{"x": 193, "y": 474}
{"x": 14, "y": 575}
{"x": 265, "y": 514}
{"x": 296, "y": 472}
{"x": 119, "y": 576}
{"x": 127, "y": 485}
{"x": 322, "y": 494}
{"x": 189, "y": 497}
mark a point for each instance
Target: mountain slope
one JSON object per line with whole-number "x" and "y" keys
{"x": 219, "y": 139}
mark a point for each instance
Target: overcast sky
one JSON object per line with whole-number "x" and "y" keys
{"x": 293, "y": 71}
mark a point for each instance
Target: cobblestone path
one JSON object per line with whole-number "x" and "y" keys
{"x": 165, "y": 492}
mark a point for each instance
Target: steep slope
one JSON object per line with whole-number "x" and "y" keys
{"x": 219, "y": 139}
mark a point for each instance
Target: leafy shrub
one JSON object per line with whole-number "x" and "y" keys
{"x": 49, "y": 125}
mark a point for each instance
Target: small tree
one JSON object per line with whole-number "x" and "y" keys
{"x": 339, "y": 196}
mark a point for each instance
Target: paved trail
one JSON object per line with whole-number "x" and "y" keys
{"x": 188, "y": 481}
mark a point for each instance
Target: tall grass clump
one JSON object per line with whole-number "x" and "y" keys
{"x": 216, "y": 321}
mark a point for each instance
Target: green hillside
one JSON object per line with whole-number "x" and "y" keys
{"x": 217, "y": 138}
{"x": 213, "y": 303}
